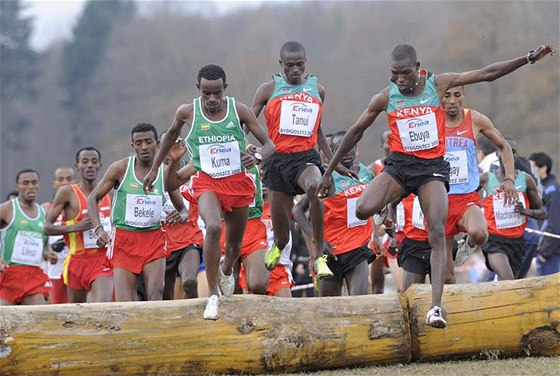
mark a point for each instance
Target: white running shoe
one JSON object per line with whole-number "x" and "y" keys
{"x": 464, "y": 251}
{"x": 211, "y": 311}
{"x": 226, "y": 282}
{"x": 435, "y": 318}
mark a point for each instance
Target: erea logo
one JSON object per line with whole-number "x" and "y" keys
{"x": 145, "y": 200}
{"x": 416, "y": 122}
{"x": 301, "y": 107}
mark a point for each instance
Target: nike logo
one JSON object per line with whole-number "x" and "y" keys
{"x": 439, "y": 175}
{"x": 462, "y": 132}
{"x": 422, "y": 101}
{"x": 307, "y": 89}
{"x": 518, "y": 188}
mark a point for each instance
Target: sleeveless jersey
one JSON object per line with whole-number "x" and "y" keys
{"x": 23, "y": 239}
{"x": 293, "y": 114}
{"x": 214, "y": 146}
{"x": 343, "y": 230}
{"x": 79, "y": 241}
{"x": 181, "y": 235}
{"x": 461, "y": 155}
{"x": 133, "y": 210}
{"x": 417, "y": 123}
{"x": 55, "y": 270}
{"x": 256, "y": 207}
{"x": 415, "y": 225}
{"x": 502, "y": 220}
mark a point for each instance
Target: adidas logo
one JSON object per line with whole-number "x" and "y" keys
{"x": 230, "y": 125}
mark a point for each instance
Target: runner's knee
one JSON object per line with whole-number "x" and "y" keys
{"x": 213, "y": 231}
{"x": 479, "y": 236}
{"x": 190, "y": 287}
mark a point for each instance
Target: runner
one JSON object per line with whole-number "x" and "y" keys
{"x": 24, "y": 245}
{"x": 463, "y": 127}
{"x": 346, "y": 236}
{"x": 505, "y": 248}
{"x": 221, "y": 185}
{"x": 413, "y": 105}
{"x": 84, "y": 272}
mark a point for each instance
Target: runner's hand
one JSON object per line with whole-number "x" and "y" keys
{"x": 174, "y": 217}
{"x": 247, "y": 159}
{"x": 522, "y": 210}
{"x": 345, "y": 171}
{"x": 84, "y": 225}
{"x": 102, "y": 238}
{"x": 542, "y": 51}
{"x": 324, "y": 186}
{"x": 510, "y": 194}
{"x": 52, "y": 257}
{"x": 148, "y": 184}
{"x": 178, "y": 150}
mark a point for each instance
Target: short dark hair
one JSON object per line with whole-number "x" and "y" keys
{"x": 542, "y": 159}
{"x": 212, "y": 72}
{"x": 335, "y": 135}
{"x": 485, "y": 145}
{"x": 291, "y": 46}
{"x": 87, "y": 148}
{"x": 144, "y": 127}
{"x": 404, "y": 52}
{"x": 12, "y": 193}
{"x": 24, "y": 171}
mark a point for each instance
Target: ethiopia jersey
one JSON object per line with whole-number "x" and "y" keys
{"x": 256, "y": 207}
{"x": 461, "y": 155}
{"x": 293, "y": 114}
{"x": 133, "y": 210}
{"x": 23, "y": 239}
{"x": 503, "y": 220}
{"x": 417, "y": 123}
{"x": 79, "y": 241}
{"x": 215, "y": 146}
{"x": 414, "y": 222}
{"x": 343, "y": 230}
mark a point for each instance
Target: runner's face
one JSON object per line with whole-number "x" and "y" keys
{"x": 453, "y": 101}
{"x": 212, "y": 94}
{"x": 63, "y": 176}
{"x": 348, "y": 160}
{"x": 293, "y": 66}
{"x": 28, "y": 186}
{"x": 404, "y": 74}
{"x": 145, "y": 145}
{"x": 88, "y": 165}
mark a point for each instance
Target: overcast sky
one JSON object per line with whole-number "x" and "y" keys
{"x": 54, "y": 19}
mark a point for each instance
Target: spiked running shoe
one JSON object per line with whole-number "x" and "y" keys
{"x": 464, "y": 251}
{"x": 321, "y": 268}
{"x": 211, "y": 311}
{"x": 272, "y": 256}
{"x": 435, "y": 319}
{"x": 226, "y": 282}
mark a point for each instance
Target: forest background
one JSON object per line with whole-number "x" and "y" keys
{"x": 129, "y": 62}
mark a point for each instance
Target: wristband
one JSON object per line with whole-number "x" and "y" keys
{"x": 510, "y": 179}
{"x": 531, "y": 57}
{"x": 97, "y": 228}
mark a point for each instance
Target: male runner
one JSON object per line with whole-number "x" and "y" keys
{"x": 23, "y": 245}
{"x": 84, "y": 272}
{"x": 221, "y": 185}
{"x": 462, "y": 129}
{"x": 417, "y": 141}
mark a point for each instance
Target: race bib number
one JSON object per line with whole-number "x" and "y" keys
{"x": 28, "y": 248}
{"x": 458, "y": 166}
{"x": 298, "y": 118}
{"x": 90, "y": 238}
{"x": 417, "y": 215}
{"x": 352, "y": 220}
{"x": 143, "y": 211}
{"x": 418, "y": 133}
{"x": 400, "y": 217}
{"x": 220, "y": 160}
{"x": 505, "y": 216}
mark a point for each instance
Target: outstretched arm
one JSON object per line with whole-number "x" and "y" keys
{"x": 492, "y": 71}
{"x": 248, "y": 118}
{"x": 61, "y": 200}
{"x": 173, "y": 176}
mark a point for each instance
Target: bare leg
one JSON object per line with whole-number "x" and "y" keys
{"x": 449, "y": 265}
{"x": 357, "y": 279}
{"x": 169, "y": 285}
{"x": 280, "y": 212}
{"x": 500, "y": 264}
{"x": 330, "y": 287}
{"x": 283, "y": 293}
{"x": 257, "y": 275}
{"x": 377, "y": 276}
{"x": 474, "y": 222}
{"x": 76, "y": 296}
{"x": 410, "y": 278}
{"x": 397, "y": 273}
{"x": 236, "y": 222}
{"x": 101, "y": 290}
{"x": 188, "y": 269}
{"x": 125, "y": 285}
{"x": 308, "y": 181}
{"x": 35, "y": 299}
{"x": 154, "y": 277}
{"x": 382, "y": 190}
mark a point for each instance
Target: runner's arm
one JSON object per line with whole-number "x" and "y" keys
{"x": 110, "y": 180}
{"x": 61, "y": 200}
{"x": 262, "y": 95}
{"x": 248, "y": 118}
{"x": 536, "y": 209}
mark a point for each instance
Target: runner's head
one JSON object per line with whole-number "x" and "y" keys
{"x": 453, "y": 100}
{"x": 292, "y": 61}
{"x": 88, "y": 163}
{"x": 404, "y": 68}
{"x": 513, "y": 145}
{"x": 348, "y": 160}
{"x": 212, "y": 85}
{"x": 144, "y": 141}
{"x": 63, "y": 176}
{"x": 12, "y": 195}
{"x": 541, "y": 163}
{"x": 27, "y": 184}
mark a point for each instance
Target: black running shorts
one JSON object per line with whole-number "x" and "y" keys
{"x": 349, "y": 260}
{"x": 513, "y": 248}
{"x": 282, "y": 170}
{"x": 414, "y": 256}
{"x": 174, "y": 259}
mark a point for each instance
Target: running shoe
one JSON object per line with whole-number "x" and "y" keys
{"x": 321, "y": 268}
{"x": 435, "y": 318}
{"x": 464, "y": 251}
{"x": 226, "y": 283}
{"x": 211, "y": 311}
{"x": 272, "y": 256}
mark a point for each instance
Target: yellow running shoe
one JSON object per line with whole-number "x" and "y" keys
{"x": 321, "y": 268}
{"x": 272, "y": 256}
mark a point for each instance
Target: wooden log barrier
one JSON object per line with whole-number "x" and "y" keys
{"x": 254, "y": 334}
{"x": 509, "y": 318}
